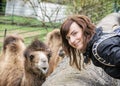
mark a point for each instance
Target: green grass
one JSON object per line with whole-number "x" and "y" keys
{"x": 24, "y": 30}
{"x": 20, "y": 20}
{"x": 28, "y": 33}
{"x": 26, "y": 21}
{"x": 25, "y": 27}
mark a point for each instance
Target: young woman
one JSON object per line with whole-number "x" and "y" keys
{"x": 80, "y": 35}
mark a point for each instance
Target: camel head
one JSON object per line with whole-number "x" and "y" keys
{"x": 37, "y": 57}
{"x": 13, "y": 43}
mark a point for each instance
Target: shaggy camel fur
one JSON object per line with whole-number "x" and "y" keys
{"x": 12, "y": 61}
{"x": 36, "y": 64}
{"x": 23, "y": 66}
{"x": 53, "y": 40}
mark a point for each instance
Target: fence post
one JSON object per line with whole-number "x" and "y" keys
{"x": 5, "y": 32}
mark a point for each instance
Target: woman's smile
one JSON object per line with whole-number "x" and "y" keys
{"x": 76, "y": 44}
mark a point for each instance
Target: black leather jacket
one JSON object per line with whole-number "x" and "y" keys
{"x": 109, "y": 50}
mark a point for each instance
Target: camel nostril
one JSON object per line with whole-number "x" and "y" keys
{"x": 44, "y": 68}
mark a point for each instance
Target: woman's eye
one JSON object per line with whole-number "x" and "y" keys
{"x": 74, "y": 33}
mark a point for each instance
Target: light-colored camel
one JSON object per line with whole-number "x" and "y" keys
{"x": 54, "y": 41}
{"x": 23, "y": 66}
{"x": 11, "y": 70}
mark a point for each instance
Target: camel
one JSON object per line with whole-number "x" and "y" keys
{"x": 11, "y": 61}
{"x": 23, "y": 66}
{"x": 54, "y": 41}
{"x": 36, "y": 64}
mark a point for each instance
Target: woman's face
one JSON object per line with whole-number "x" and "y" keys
{"x": 75, "y": 36}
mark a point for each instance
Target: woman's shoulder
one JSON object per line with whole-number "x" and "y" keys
{"x": 96, "y": 36}
{"x": 99, "y": 30}
{"x": 106, "y": 40}
{"x": 105, "y": 46}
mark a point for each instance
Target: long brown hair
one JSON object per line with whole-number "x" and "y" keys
{"x": 88, "y": 29}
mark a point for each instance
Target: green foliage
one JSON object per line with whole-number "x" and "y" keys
{"x": 116, "y": 5}
{"x": 2, "y": 6}
{"x": 95, "y": 9}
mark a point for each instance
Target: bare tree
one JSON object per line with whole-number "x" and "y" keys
{"x": 44, "y": 13}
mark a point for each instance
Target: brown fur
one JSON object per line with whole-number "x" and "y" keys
{"x": 33, "y": 76}
{"x": 53, "y": 40}
{"x": 12, "y": 61}
{"x": 19, "y": 70}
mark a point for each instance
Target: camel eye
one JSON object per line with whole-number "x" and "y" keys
{"x": 31, "y": 57}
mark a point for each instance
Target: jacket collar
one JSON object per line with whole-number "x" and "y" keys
{"x": 97, "y": 35}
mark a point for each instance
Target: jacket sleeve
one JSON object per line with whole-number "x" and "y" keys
{"x": 109, "y": 50}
